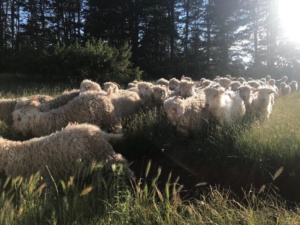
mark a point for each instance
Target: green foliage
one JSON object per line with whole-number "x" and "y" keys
{"x": 92, "y": 60}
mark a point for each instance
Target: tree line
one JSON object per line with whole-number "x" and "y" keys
{"x": 162, "y": 38}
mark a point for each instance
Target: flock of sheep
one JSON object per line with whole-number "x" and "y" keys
{"x": 80, "y": 124}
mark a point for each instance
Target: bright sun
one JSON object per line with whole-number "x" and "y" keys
{"x": 290, "y": 17}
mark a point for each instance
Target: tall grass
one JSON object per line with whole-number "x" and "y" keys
{"x": 276, "y": 141}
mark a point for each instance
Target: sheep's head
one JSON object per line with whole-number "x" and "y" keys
{"x": 160, "y": 93}
{"x": 186, "y": 88}
{"x": 213, "y": 95}
{"x": 224, "y": 82}
{"x": 88, "y": 85}
{"x": 234, "y": 85}
{"x": 145, "y": 90}
{"x": 114, "y": 87}
{"x": 245, "y": 92}
{"x": 283, "y": 85}
{"x": 23, "y": 118}
{"x": 162, "y": 81}
{"x": 241, "y": 80}
{"x": 174, "y": 108}
{"x": 173, "y": 83}
{"x": 263, "y": 93}
{"x": 254, "y": 84}
{"x": 207, "y": 83}
{"x": 272, "y": 82}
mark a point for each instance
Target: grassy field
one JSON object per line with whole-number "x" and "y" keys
{"x": 246, "y": 173}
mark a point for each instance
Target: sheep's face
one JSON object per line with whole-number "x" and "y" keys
{"x": 174, "y": 109}
{"x": 173, "y": 84}
{"x": 235, "y": 85}
{"x": 22, "y": 119}
{"x": 113, "y": 87}
{"x": 145, "y": 90}
{"x": 160, "y": 93}
{"x": 186, "y": 88}
{"x": 213, "y": 96}
{"x": 245, "y": 92}
{"x": 263, "y": 95}
{"x": 224, "y": 82}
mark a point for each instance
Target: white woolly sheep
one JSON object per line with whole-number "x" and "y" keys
{"x": 186, "y": 88}
{"x": 224, "y": 82}
{"x": 217, "y": 79}
{"x": 174, "y": 84}
{"x": 113, "y": 86}
{"x": 228, "y": 76}
{"x": 86, "y": 108}
{"x": 272, "y": 83}
{"x": 7, "y": 106}
{"x": 204, "y": 83}
{"x": 246, "y": 95}
{"x": 187, "y": 115}
{"x": 284, "y": 89}
{"x": 152, "y": 95}
{"x": 234, "y": 85}
{"x": 126, "y": 103}
{"x": 268, "y": 77}
{"x": 162, "y": 81}
{"x": 262, "y": 102}
{"x": 160, "y": 93}
{"x": 186, "y": 78}
{"x": 132, "y": 84}
{"x": 59, "y": 101}
{"x": 282, "y": 79}
{"x": 88, "y": 85}
{"x": 224, "y": 107}
{"x": 145, "y": 90}
{"x": 59, "y": 152}
{"x": 294, "y": 86}
{"x": 254, "y": 83}
{"x": 241, "y": 80}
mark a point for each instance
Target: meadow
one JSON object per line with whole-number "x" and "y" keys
{"x": 245, "y": 173}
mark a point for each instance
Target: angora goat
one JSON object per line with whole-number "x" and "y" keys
{"x": 187, "y": 115}
{"x": 262, "y": 102}
{"x": 7, "y": 106}
{"x": 224, "y": 107}
{"x": 59, "y": 152}
{"x": 86, "y": 108}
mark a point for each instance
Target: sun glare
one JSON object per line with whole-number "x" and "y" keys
{"x": 290, "y": 18}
